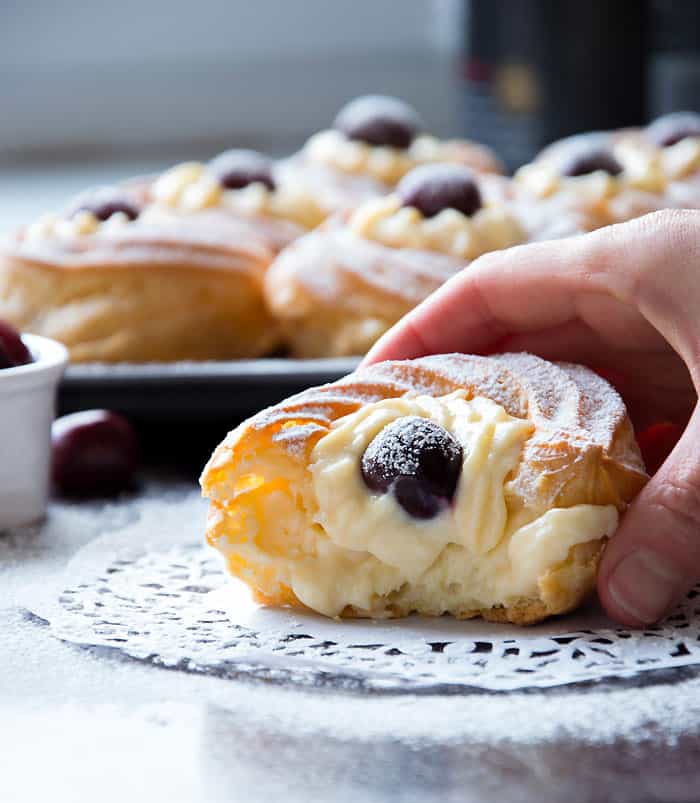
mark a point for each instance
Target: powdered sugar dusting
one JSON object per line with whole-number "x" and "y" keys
{"x": 563, "y": 398}
{"x": 334, "y": 265}
{"x": 601, "y": 406}
{"x": 552, "y": 396}
{"x": 294, "y": 439}
{"x": 636, "y": 739}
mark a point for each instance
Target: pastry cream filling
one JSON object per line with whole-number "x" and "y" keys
{"x": 682, "y": 159}
{"x": 83, "y": 223}
{"x": 381, "y": 162}
{"x": 450, "y": 232}
{"x": 363, "y": 544}
{"x": 188, "y": 187}
{"x": 642, "y": 169}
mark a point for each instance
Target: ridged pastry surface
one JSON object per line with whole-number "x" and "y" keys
{"x": 335, "y": 292}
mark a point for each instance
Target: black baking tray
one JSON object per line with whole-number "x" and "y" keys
{"x": 193, "y": 390}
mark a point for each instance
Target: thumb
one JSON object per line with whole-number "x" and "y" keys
{"x": 654, "y": 558}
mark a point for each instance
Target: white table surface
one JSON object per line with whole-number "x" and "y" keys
{"x": 79, "y": 726}
{"x": 27, "y": 191}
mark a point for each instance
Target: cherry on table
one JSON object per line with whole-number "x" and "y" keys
{"x": 13, "y": 352}
{"x": 95, "y": 453}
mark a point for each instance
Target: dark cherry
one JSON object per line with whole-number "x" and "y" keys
{"x": 379, "y": 120}
{"x": 672, "y": 128}
{"x": 418, "y": 461}
{"x": 585, "y": 160}
{"x": 95, "y": 453}
{"x": 13, "y": 352}
{"x": 105, "y": 202}
{"x": 236, "y": 169}
{"x": 5, "y": 361}
{"x": 433, "y": 188}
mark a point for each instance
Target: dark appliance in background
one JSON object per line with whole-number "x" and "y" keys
{"x": 674, "y": 66}
{"x": 538, "y": 70}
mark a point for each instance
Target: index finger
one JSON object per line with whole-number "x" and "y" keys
{"x": 537, "y": 288}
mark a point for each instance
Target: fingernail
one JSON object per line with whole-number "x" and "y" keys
{"x": 644, "y": 585}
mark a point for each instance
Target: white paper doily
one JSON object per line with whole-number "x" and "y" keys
{"x": 153, "y": 593}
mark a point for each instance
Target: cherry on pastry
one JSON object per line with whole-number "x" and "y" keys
{"x": 237, "y": 168}
{"x": 104, "y": 203}
{"x": 13, "y": 352}
{"x": 585, "y": 160}
{"x": 434, "y": 188}
{"x": 418, "y": 461}
{"x": 95, "y": 453}
{"x": 672, "y": 128}
{"x": 379, "y": 120}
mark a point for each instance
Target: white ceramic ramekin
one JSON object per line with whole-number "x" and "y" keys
{"x": 27, "y": 402}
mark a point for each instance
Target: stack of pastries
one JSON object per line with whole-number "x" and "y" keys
{"x": 319, "y": 253}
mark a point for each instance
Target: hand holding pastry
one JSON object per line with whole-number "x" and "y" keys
{"x": 623, "y": 300}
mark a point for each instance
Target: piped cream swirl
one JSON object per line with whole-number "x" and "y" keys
{"x": 371, "y": 546}
{"x": 450, "y": 232}
{"x": 189, "y": 187}
{"x": 642, "y": 169}
{"x": 80, "y": 224}
{"x": 382, "y": 162}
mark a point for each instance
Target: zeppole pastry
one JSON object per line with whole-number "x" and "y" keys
{"x": 237, "y": 183}
{"x": 666, "y": 150}
{"x": 373, "y": 142}
{"x": 336, "y": 290}
{"x": 476, "y": 486}
{"x": 157, "y": 271}
{"x": 585, "y": 182}
{"x": 590, "y": 180}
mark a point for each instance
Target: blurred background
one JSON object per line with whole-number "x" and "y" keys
{"x": 90, "y": 91}
{"x": 94, "y": 91}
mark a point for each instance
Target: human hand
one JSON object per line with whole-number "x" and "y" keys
{"x": 625, "y": 301}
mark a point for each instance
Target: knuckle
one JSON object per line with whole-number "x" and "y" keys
{"x": 413, "y": 332}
